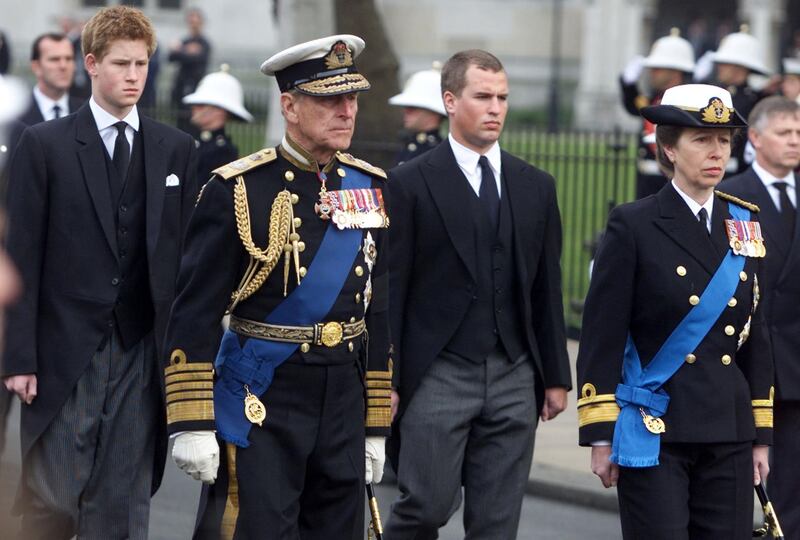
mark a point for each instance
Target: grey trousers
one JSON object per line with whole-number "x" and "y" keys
{"x": 90, "y": 472}
{"x": 469, "y": 425}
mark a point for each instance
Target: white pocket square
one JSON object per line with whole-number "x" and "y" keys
{"x": 173, "y": 180}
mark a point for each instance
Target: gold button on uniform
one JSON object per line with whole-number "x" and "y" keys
{"x": 359, "y": 271}
{"x": 295, "y": 198}
{"x": 726, "y": 359}
{"x": 743, "y": 275}
{"x": 289, "y": 175}
{"x": 352, "y": 319}
{"x": 297, "y": 222}
{"x": 681, "y": 271}
{"x": 358, "y": 298}
{"x": 350, "y": 346}
{"x": 305, "y": 347}
{"x": 729, "y": 330}
{"x": 301, "y": 246}
{"x": 302, "y": 271}
{"x": 732, "y": 302}
{"x": 340, "y": 172}
{"x": 691, "y": 359}
{"x": 694, "y": 299}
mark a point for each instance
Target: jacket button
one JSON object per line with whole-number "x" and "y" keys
{"x": 115, "y": 281}
{"x": 123, "y": 208}
{"x": 691, "y": 359}
{"x": 732, "y": 302}
{"x": 726, "y": 359}
{"x": 681, "y": 271}
{"x": 694, "y": 300}
{"x": 729, "y": 330}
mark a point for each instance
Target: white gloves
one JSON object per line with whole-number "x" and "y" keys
{"x": 197, "y": 454}
{"x": 376, "y": 457}
{"x": 633, "y": 70}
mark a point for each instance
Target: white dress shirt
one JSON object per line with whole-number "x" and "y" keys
{"x": 105, "y": 125}
{"x": 694, "y": 206}
{"x": 46, "y": 104}
{"x": 468, "y": 163}
{"x": 769, "y": 180}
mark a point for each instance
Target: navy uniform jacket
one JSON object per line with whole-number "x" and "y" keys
{"x": 655, "y": 256}
{"x": 214, "y": 149}
{"x": 215, "y": 260}
{"x": 781, "y": 284}
{"x": 633, "y": 101}
{"x": 416, "y": 144}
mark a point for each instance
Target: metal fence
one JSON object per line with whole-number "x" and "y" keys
{"x": 593, "y": 173}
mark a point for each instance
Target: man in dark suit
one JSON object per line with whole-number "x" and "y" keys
{"x": 98, "y": 201}
{"x": 477, "y": 316}
{"x": 53, "y": 64}
{"x": 770, "y": 183}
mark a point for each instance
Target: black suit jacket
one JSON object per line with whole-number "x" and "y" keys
{"x": 34, "y": 115}
{"x": 781, "y": 278}
{"x": 61, "y": 235}
{"x": 434, "y": 267}
{"x": 654, "y": 257}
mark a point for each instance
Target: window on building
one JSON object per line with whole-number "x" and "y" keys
{"x": 169, "y": 4}
{"x": 134, "y": 3}
{"x": 94, "y": 3}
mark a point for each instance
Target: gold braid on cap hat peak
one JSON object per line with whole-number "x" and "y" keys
{"x": 281, "y": 234}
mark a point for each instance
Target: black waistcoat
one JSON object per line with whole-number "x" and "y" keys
{"x": 134, "y": 312}
{"x": 494, "y": 313}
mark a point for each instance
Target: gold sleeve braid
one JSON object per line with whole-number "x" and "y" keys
{"x": 762, "y": 410}
{"x": 189, "y": 389}
{"x": 379, "y": 398}
{"x": 593, "y": 408}
{"x": 262, "y": 262}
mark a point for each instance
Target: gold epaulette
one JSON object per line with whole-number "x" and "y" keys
{"x": 242, "y": 165}
{"x": 189, "y": 389}
{"x": 762, "y": 410}
{"x": 594, "y": 407}
{"x": 736, "y": 200}
{"x": 641, "y": 101}
{"x": 360, "y": 164}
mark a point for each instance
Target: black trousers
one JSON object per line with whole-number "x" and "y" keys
{"x": 784, "y": 477}
{"x": 697, "y": 492}
{"x": 302, "y": 477}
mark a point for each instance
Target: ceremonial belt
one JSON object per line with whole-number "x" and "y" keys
{"x": 641, "y": 396}
{"x": 252, "y": 364}
{"x": 329, "y": 334}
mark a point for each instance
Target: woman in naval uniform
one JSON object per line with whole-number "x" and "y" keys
{"x": 674, "y": 367}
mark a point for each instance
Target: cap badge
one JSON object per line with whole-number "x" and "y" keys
{"x": 716, "y": 112}
{"x": 339, "y": 57}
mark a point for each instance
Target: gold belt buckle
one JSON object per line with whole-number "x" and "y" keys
{"x": 331, "y": 334}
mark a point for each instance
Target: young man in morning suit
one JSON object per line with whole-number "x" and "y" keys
{"x": 772, "y": 184}
{"x": 98, "y": 202}
{"x": 477, "y": 316}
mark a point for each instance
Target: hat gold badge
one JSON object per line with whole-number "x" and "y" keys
{"x": 339, "y": 57}
{"x": 716, "y": 112}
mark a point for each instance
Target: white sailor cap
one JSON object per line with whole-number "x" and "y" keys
{"x": 14, "y": 97}
{"x": 322, "y": 67}
{"x": 222, "y": 90}
{"x": 423, "y": 90}
{"x": 791, "y": 66}
{"x": 695, "y": 105}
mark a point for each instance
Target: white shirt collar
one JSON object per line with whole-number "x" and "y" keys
{"x": 694, "y": 206}
{"x": 105, "y": 119}
{"x": 46, "y": 104}
{"x": 765, "y": 176}
{"x": 468, "y": 159}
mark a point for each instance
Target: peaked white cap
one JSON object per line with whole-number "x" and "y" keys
{"x": 222, "y": 90}
{"x": 424, "y": 90}
{"x": 671, "y": 52}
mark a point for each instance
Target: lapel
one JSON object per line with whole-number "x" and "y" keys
{"x": 769, "y": 217}
{"x": 155, "y": 169}
{"x": 678, "y": 223}
{"x": 91, "y": 155}
{"x": 451, "y": 194}
{"x": 525, "y": 206}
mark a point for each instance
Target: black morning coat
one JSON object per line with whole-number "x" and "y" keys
{"x": 62, "y": 237}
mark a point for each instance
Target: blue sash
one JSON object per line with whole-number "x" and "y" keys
{"x": 634, "y": 445}
{"x": 254, "y": 363}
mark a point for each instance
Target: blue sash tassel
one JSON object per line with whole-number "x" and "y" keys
{"x": 634, "y": 445}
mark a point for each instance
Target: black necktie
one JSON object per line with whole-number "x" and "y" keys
{"x": 788, "y": 211}
{"x": 488, "y": 191}
{"x": 122, "y": 152}
{"x": 56, "y": 111}
{"x": 702, "y": 217}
